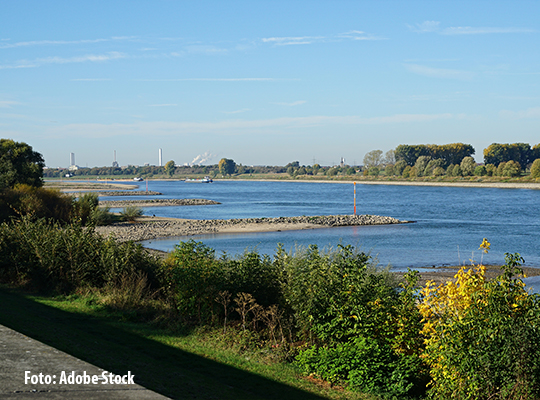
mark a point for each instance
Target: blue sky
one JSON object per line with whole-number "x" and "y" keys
{"x": 265, "y": 82}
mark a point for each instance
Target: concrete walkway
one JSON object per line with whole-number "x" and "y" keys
{"x": 23, "y": 359}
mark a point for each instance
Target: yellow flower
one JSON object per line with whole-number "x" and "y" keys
{"x": 485, "y": 246}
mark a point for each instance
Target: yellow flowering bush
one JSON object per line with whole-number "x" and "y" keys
{"x": 482, "y": 338}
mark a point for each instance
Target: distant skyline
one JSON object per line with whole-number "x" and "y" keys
{"x": 265, "y": 82}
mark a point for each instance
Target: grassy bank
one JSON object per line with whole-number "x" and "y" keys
{"x": 184, "y": 364}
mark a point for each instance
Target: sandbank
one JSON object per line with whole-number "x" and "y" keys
{"x": 147, "y": 227}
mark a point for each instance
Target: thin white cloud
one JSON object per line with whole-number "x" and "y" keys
{"x": 468, "y": 30}
{"x": 439, "y": 72}
{"x": 533, "y": 112}
{"x": 291, "y": 40}
{"x": 359, "y": 35}
{"x": 425, "y": 27}
{"x": 62, "y": 42}
{"x": 434, "y": 27}
{"x": 294, "y": 103}
{"x": 91, "y": 79}
{"x": 302, "y": 40}
{"x": 237, "y": 111}
{"x": 234, "y": 126}
{"x": 212, "y": 79}
{"x": 7, "y": 103}
{"x": 203, "y": 49}
{"x": 113, "y": 55}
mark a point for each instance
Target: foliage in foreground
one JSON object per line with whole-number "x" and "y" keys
{"x": 482, "y": 337}
{"x": 45, "y": 256}
{"x": 333, "y": 313}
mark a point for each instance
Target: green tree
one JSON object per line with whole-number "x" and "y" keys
{"x": 535, "y": 169}
{"x": 491, "y": 170}
{"x": 227, "y": 166}
{"x": 374, "y": 171}
{"x": 390, "y": 157}
{"x": 480, "y": 170}
{"x": 332, "y": 172}
{"x": 467, "y": 166}
{"x": 406, "y": 171}
{"x": 19, "y": 163}
{"x": 421, "y": 164}
{"x": 373, "y": 158}
{"x": 432, "y": 165}
{"x": 497, "y": 153}
{"x": 170, "y": 167}
{"x": 500, "y": 168}
{"x": 439, "y": 171}
{"x": 512, "y": 169}
{"x": 399, "y": 167}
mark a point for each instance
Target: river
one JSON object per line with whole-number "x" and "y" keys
{"x": 450, "y": 221}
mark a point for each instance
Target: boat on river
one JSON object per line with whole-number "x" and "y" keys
{"x": 206, "y": 179}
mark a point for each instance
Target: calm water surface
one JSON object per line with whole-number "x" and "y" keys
{"x": 450, "y": 221}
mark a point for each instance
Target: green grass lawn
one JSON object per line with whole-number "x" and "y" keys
{"x": 195, "y": 364}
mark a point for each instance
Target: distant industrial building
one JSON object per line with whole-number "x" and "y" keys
{"x": 72, "y": 165}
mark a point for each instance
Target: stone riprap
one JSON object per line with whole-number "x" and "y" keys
{"x": 154, "y": 227}
{"x": 130, "y": 193}
{"x": 157, "y": 202}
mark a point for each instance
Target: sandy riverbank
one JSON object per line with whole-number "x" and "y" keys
{"x": 146, "y": 227}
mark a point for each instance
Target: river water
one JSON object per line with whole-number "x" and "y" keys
{"x": 450, "y": 221}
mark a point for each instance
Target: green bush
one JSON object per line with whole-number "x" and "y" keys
{"x": 131, "y": 213}
{"x": 46, "y": 256}
{"x": 35, "y": 202}
{"x": 347, "y": 310}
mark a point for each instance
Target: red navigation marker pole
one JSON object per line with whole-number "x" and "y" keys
{"x": 354, "y": 198}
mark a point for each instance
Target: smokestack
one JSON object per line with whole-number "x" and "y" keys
{"x": 160, "y": 158}
{"x": 71, "y": 159}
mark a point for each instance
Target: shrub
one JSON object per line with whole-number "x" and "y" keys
{"x": 35, "y": 202}
{"x": 45, "y": 256}
{"x": 131, "y": 213}
{"x": 360, "y": 329}
{"x": 84, "y": 206}
{"x": 483, "y": 338}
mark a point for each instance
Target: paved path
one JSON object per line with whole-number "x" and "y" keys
{"x": 23, "y": 358}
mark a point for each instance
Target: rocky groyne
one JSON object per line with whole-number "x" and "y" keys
{"x": 154, "y": 227}
{"x": 157, "y": 202}
{"x": 129, "y": 193}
